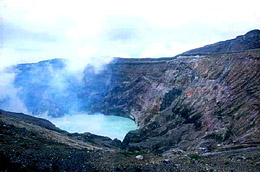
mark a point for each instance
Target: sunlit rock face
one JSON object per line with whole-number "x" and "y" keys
{"x": 216, "y": 103}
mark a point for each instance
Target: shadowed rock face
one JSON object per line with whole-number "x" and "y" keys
{"x": 203, "y": 99}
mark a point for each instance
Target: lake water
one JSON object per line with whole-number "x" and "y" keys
{"x": 104, "y": 125}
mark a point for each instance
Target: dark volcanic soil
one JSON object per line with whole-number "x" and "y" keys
{"x": 35, "y": 145}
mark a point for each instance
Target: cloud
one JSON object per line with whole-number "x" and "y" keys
{"x": 167, "y": 49}
{"x": 8, "y": 94}
{"x": 34, "y": 30}
{"x": 11, "y": 32}
{"x": 122, "y": 34}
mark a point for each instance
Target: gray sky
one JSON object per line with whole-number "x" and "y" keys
{"x": 33, "y": 30}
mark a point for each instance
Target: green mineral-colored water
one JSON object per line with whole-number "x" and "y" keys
{"x": 104, "y": 125}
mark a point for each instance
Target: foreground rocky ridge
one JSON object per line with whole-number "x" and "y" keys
{"x": 32, "y": 144}
{"x": 47, "y": 130}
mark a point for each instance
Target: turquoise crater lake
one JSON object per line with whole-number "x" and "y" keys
{"x": 99, "y": 124}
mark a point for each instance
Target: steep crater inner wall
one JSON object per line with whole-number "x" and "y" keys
{"x": 201, "y": 99}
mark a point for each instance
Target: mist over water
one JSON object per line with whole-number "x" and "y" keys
{"x": 62, "y": 94}
{"x": 99, "y": 124}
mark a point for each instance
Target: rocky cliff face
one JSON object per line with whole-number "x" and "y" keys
{"x": 202, "y": 102}
{"x": 204, "y": 99}
{"x": 199, "y": 102}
